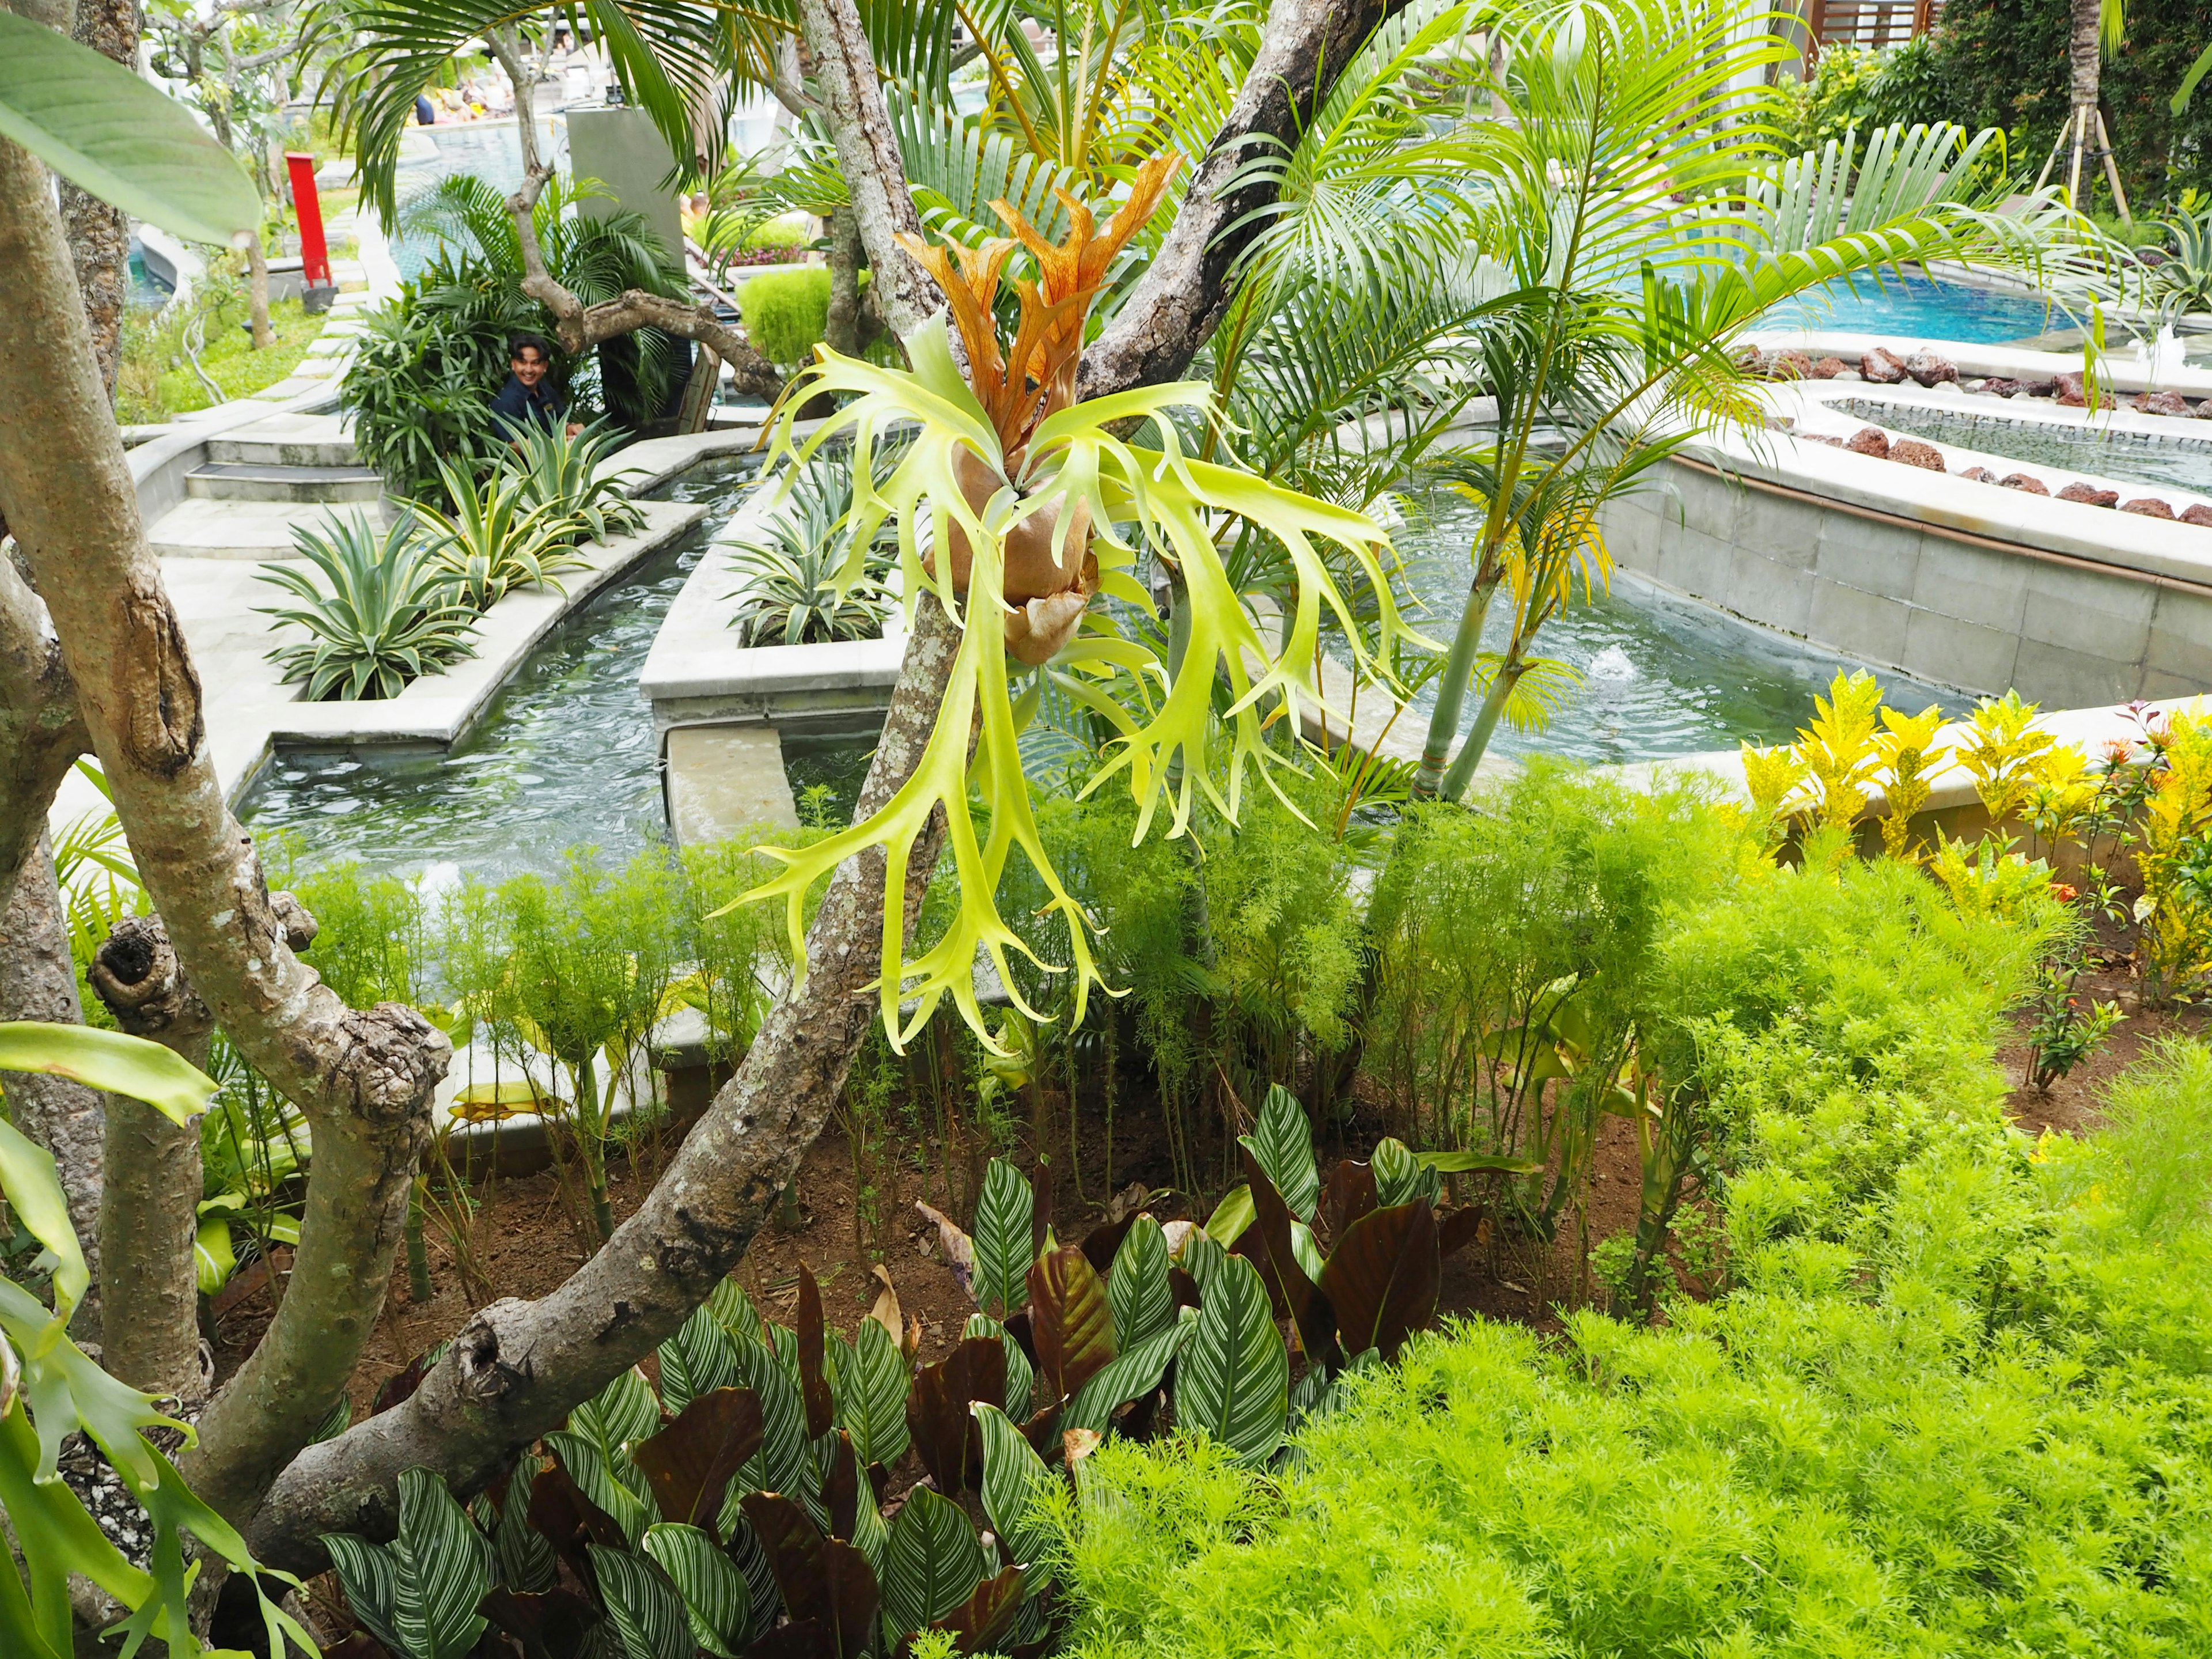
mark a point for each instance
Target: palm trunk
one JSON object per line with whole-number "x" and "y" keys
{"x": 2084, "y": 65}
{"x": 1461, "y": 776}
{"x": 1452, "y": 683}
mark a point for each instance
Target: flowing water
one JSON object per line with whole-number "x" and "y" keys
{"x": 565, "y": 755}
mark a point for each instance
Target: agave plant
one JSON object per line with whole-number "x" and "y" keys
{"x": 1031, "y": 504}
{"x": 791, "y": 590}
{"x": 390, "y": 613}
{"x": 561, "y": 474}
{"x": 496, "y": 537}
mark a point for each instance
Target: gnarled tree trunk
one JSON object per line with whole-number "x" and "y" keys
{"x": 364, "y": 1080}
{"x": 150, "y": 1198}
{"x": 99, "y": 238}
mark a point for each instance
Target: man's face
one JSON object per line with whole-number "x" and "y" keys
{"x": 529, "y": 365}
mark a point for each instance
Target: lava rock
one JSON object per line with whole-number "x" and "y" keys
{"x": 1913, "y": 452}
{"x": 2162, "y": 402}
{"x": 2198, "y": 513}
{"x": 1869, "y": 440}
{"x": 1882, "y": 368}
{"x": 2089, "y": 495}
{"x": 1978, "y": 475}
{"x": 2020, "y": 481}
{"x": 2149, "y": 506}
{"x": 1821, "y": 438}
{"x": 1930, "y": 369}
{"x": 1998, "y": 385}
{"x": 1791, "y": 365}
{"x": 2070, "y": 394}
{"x": 1827, "y": 368}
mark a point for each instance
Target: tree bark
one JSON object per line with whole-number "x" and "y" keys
{"x": 41, "y": 731}
{"x": 851, "y": 327}
{"x": 852, "y": 97}
{"x": 518, "y": 1367}
{"x": 1179, "y": 301}
{"x": 578, "y": 327}
{"x": 364, "y": 1080}
{"x": 38, "y": 980}
{"x": 99, "y": 238}
{"x": 150, "y": 1197}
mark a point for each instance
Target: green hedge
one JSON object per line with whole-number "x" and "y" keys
{"x": 786, "y": 313}
{"x": 1955, "y": 1402}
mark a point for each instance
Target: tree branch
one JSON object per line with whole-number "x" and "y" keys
{"x": 41, "y": 731}
{"x": 518, "y": 1367}
{"x": 581, "y": 327}
{"x": 1179, "y": 301}
{"x": 363, "y": 1080}
{"x": 852, "y": 97}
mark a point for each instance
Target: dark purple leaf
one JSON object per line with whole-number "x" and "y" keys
{"x": 690, "y": 1462}
{"x": 813, "y": 1378}
{"x": 793, "y": 1548}
{"x": 1382, "y": 1278}
{"x": 1349, "y": 1195}
{"x": 556, "y": 1625}
{"x": 1070, "y": 1319}
{"x": 946, "y": 1437}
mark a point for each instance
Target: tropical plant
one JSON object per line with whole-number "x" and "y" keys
{"x": 497, "y": 536}
{"x": 746, "y": 1493}
{"x": 55, "y": 1536}
{"x": 1608, "y": 349}
{"x": 791, "y": 565}
{"x": 597, "y": 253}
{"x": 389, "y": 615}
{"x": 567, "y": 474}
{"x": 424, "y": 372}
{"x": 1023, "y": 493}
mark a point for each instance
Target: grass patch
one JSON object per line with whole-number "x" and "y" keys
{"x": 156, "y": 381}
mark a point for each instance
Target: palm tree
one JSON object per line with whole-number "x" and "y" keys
{"x": 1629, "y": 190}
{"x": 2094, "y": 31}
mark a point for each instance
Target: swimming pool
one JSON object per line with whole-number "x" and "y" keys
{"x": 1918, "y": 306}
{"x": 2180, "y": 464}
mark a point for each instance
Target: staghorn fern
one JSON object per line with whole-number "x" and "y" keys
{"x": 1040, "y": 453}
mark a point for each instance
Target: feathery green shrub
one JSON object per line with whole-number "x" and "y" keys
{"x": 786, "y": 313}
{"x": 1956, "y": 1402}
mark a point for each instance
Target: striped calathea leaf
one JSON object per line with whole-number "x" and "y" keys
{"x": 419, "y": 1595}
{"x": 1232, "y": 1377}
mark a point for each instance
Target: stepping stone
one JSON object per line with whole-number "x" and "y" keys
{"x": 255, "y": 481}
{"x": 200, "y": 529}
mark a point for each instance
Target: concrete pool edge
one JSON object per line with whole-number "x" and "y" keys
{"x": 1960, "y": 584}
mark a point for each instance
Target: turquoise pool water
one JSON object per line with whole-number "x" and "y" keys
{"x": 1917, "y": 306}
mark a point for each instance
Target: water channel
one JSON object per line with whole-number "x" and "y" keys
{"x": 565, "y": 756}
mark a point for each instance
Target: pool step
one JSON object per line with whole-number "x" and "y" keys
{"x": 198, "y": 528}
{"x": 254, "y": 481}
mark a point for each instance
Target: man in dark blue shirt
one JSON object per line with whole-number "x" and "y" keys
{"x": 529, "y": 398}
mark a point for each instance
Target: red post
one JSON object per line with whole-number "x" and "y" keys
{"x": 314, "y": 252}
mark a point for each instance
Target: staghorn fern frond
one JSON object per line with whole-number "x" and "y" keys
{"x": 1136, "y": 497}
